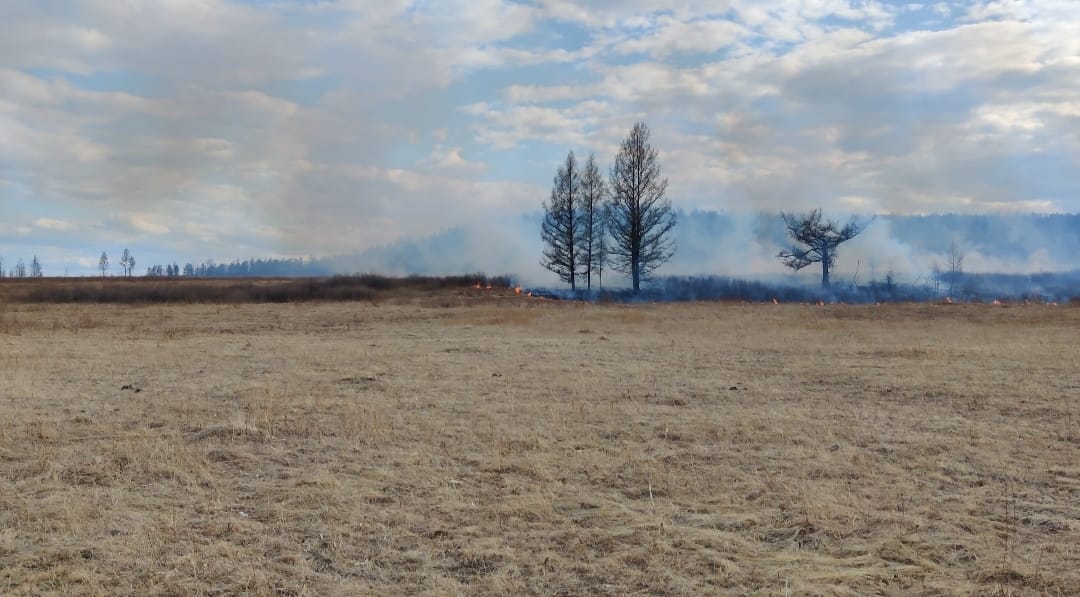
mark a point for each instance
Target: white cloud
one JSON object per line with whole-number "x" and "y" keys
{"x": 54, "y": 224}
{"x": 143, "y": 223}
{"x": 449, "y": 159}
{"x": 671, "y": 35}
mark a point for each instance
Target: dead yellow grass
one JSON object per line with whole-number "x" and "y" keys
{"x": 524, "y": 447}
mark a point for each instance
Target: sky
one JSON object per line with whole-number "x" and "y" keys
{"x": 195, "y": 129}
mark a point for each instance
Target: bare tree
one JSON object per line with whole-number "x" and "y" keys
{"x": 127, "y": 263}
{"x": 593, "y": 199}
{"x": 641, "y": 216}
{"x": 103, "y": 263}
{"x": 35, "y": 268}
{"x": 603, "y": 243}
{"x": 956, "y": 267}
{"x": 562, "y": 227}
{"x": 817, "y": 241}
{"x": 20, "y": 269}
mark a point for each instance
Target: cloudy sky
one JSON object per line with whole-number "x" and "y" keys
{"x": 193, "y": 129}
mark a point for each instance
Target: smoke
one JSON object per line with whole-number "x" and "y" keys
{"x": 1011, "y": 249}
{"x": 491, "y": 245}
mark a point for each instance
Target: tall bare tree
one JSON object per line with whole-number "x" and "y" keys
{"x": 603, "y": 243}
{"x": 641, "y": 216}
{"x": 562, "y": 226}
{"x": 954, "y": 272}
{"x": 35, "y": 268}
{"x": 817, "y": 241}
{"x": 127, "y": 263}
{"x": 103, "y": 263}
{"x": 591, "y": 208}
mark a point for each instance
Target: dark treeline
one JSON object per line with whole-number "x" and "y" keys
{"x": 1008, "y": 288}
{"x": 360, "y": 287}
{"x": 245, "y": 268}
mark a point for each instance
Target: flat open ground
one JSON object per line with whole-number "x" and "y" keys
{"x": 502, "y": 445}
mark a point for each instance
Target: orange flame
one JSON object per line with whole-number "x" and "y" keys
{"x": 477, "y": 286}
{"x": 775, "y": 302}
{"x": 488, "y": 286}
{"x": 517, "y": 290}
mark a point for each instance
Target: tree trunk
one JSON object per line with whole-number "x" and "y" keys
{"x": 588, "y": 267}
{"x": 573, "y": 240}
{"x": 826, "y": 261}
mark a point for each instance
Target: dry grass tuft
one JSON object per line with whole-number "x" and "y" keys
{"x": 474, "y": 442}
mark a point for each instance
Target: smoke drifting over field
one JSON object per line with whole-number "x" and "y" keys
{"x": 745, "y": 246}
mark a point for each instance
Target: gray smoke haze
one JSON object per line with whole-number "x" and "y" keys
{"x": 745, "y": 245}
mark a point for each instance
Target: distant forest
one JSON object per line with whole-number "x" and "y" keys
{"x": 245, "y": 268}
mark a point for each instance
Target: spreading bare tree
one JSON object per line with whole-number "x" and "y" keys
{"x": 817, "y": 241}
{"x": 591, "y": 208}
{"x": 562, "y": 227}
{"x": 641, "y": 216}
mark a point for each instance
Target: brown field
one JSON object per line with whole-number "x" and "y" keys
{"x": 472, "y": 442}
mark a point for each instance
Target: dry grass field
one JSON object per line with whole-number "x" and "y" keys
{"x": 480, "y": 443}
